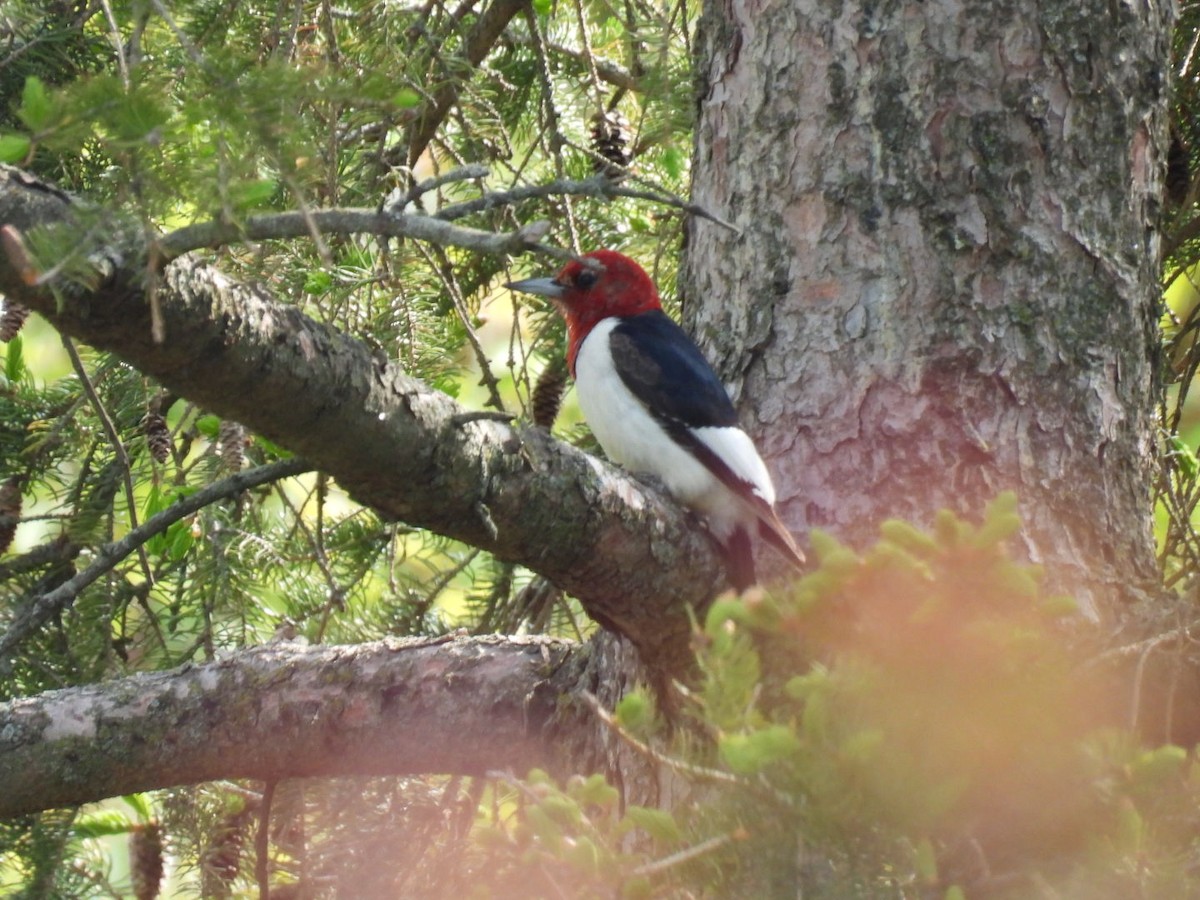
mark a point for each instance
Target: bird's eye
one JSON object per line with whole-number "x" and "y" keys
{"x": 585, "y": 279}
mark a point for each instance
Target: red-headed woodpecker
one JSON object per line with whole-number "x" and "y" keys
{"x": 656, "y": 406}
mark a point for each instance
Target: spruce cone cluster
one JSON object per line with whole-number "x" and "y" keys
{"x": 158, "y": 436}
{"x": 221, "y": 861}
{"x": 146, "y": 860}
{"x": 610, "y": 139}
{"x": 232, "y": 441}
{"x": 548, "y": 393}
{"x": 10, "y": 512}
{"x": 11, "y": 320}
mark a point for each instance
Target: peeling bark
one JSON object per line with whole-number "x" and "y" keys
{"x": 946, "y": 281}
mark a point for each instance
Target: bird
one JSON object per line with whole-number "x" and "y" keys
{"x": 657, "y": 407}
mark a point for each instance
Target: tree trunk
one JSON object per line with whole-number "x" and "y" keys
{"x": 945, "y": 283}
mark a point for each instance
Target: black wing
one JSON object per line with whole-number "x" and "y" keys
{"x": 667, "y": 372}
{"x": 663, "y": 368}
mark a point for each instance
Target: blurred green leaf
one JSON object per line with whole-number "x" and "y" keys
{"x": 1184, "y": 456}
{"x": 14, "y": 148}
{"x": 657, "y": 823}
{"x": 635, "y": 711}
{"x": 209, "y": 426}
{"x": 249, "y": 195}
{"x": 318, "y": 282}
{"x": 14, "y": 360}
{"x": 406, "y": 98}
{"x": 749, "y": 754}
{"x": 37, "y": 109}
{"x": 140, "y": 805}
{"x": 595, "y": 791}
{"x": 102, "y": 824}
{"x": 673, "y": 161}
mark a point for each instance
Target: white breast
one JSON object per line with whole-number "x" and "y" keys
{"x": 630, "y": 436}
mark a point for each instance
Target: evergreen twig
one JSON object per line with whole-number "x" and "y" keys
{"x": 48, "y": 604}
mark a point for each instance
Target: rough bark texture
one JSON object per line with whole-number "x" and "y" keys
{"x": 946, "y": 280}
{"x": 635, "y": 559}
{"x": 466, "y": 706}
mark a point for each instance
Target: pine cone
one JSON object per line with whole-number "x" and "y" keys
{"x": 1177, "y": 181}
{"x": 548, "y": 393}
{"x": 10, "y": 511}
{"x": 221, "y": 860}
{"x": 146, "y": 860}
{"x": 158, "y": 436}
{"x": 610, "y": 139}
{"x": 11, "y": 320}
{"x": 231, "y": 439}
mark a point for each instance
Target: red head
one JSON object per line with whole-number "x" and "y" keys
{"x": 585, "y": 295}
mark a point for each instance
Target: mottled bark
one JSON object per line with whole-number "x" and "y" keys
{"x": 946, "y": 280}
{"x": 464, "y": 706}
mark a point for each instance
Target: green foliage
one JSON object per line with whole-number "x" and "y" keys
{"x": 913, "y": 716}
{"x": 571, "y": 835}
{"x": 14, "y": 148}
{"x": 636, "y": 714}
{"x": 14, "y": 361}
{"x": 36, "y": 109}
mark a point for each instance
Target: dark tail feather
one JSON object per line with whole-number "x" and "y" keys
{"x": 739, "y": 560}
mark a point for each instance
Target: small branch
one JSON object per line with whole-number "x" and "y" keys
{"x": 117, "y": 42}
{"x": 609, "y": 71}
{"x": 262, "y": 843}
{"x": 477, "y": 44}
{"x": 687, "y": 854}
{"x": 110, "y": 431}
{"x": 1139, "y": 648}
{"x": 55, "y": 552}
{"x": 45, "y": 606}
{"x": 678, "y": 203}
{"x": 444, "y": 271}
{"x": 435, "y": 229}
{"x": 463, "y": 173}
{"x": 597, "y": 186}
{"x": 682, "y": 766}
{"x": 344, "y": 221}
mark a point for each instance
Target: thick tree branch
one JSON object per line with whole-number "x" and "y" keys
{"x": 630, "y": 555}
{"x": 395, "y": 707}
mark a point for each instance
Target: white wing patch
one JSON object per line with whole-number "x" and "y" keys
{"x": 734, "y": 447}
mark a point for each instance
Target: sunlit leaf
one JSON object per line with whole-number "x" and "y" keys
{"x": 14, "y": 147}
{"x": 37, "y": 109}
